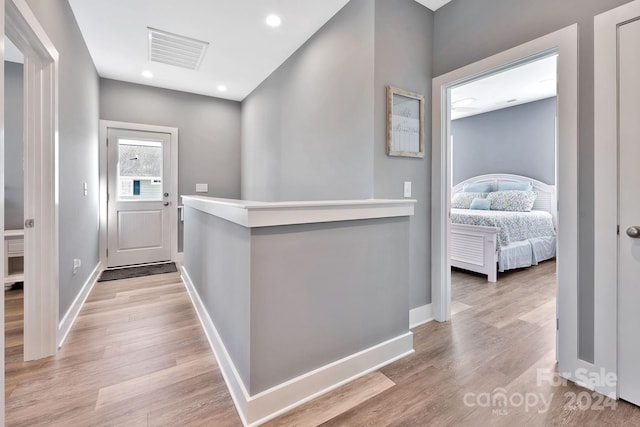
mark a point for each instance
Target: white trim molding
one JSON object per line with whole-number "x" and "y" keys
{"x": 262, "y": 407}
{"x": 564, "y": 43}
{"x": 71, "y": 315}
{"x": 105, "y": 125}
{"x": 606, "y": 188}
{"x": 41, "y": 179}
{"x": 268, "y": 214}
{"x": 420, "y": 315}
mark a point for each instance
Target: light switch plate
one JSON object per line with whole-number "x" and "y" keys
{"x": 407, "y": 189}
{"x": 202, "y": 188}
{"x": 77, "y": 263}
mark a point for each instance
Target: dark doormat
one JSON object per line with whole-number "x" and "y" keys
{"x": 145, "y": 270}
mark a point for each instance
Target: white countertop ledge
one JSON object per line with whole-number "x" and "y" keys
{"x": 267, "y": 214}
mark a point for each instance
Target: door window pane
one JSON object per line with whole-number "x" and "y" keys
{"x": 139, "y": 170}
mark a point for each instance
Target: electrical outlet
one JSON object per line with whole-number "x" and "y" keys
{"x": 202, "y": 188}
{"x": 407, "y": 189}
{"x": 85, "y": 188}
{"x": 76, "y": 265}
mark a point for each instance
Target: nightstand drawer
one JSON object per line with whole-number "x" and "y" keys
{"x": 15, "y": 247}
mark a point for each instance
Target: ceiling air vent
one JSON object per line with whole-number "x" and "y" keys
{"x": 174, "y": 49}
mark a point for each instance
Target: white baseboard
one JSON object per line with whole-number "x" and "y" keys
{"x": 420, "y": 315}
{"x": 65, "y": 325}
{"x": 264, "y": 406}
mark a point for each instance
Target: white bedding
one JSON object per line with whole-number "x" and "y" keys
{"x": 514, "y": 226}
{"x": 526, "y": 253}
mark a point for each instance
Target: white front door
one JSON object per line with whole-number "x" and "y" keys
{"x": 139, "y": 228}
{"x": 629, "y": 213}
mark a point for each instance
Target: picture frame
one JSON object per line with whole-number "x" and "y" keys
{"x": 405, "y": 123}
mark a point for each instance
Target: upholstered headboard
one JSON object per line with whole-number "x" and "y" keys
{"x": 546, "y": 200}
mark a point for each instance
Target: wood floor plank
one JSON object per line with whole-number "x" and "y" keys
{"x": 333, "y": 404}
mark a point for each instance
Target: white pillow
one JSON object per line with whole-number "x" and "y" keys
{"x": 512, "y": 200}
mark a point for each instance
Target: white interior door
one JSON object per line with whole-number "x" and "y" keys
{"x": 138, "y": 222}
{"x": 629, "y": 213}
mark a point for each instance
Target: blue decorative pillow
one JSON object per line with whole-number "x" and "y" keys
{"x": 480, "y": 204}
{"x": 517, "y": 201}
{"x": 463, "y": 200}
{"x": 514, "y": 186}
{"x": 477, "y": 187}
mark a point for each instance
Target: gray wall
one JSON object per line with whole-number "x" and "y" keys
{"x": 208, "y": 132}
{"x": 307, "y": 288}
{"x": 315, "y": 129}
{"x": 217, "y": 258}
{"x": 520, "y": 140}
{"x": 307, "y": 130}
{"x": 14, "y": 146}
{"x": 403, "y": 58}
{"x": 78, "y": 146}
{"x": 469, "y": 30}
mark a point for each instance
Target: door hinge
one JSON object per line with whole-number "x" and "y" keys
{"x": 107, "y": 252}
{"x": 107, "y": 142}
{"x": 618, "y": 230}
{"x": 557, "y": 324}
{"x": 108, "y": 196}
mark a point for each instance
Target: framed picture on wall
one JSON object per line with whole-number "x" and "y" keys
{"x": 405, "y": 123}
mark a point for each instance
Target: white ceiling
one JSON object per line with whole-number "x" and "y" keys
{"x": 433, "y": 4}
{"x": 243, "y": 50}
{"x": 526, "y": 83}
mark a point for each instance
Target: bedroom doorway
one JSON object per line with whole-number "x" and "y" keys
{"x": 503, "y": 136}
{"x": 14, "y": 198}
{"x": 562, "y": 44}
{"x": 40, "y": 139}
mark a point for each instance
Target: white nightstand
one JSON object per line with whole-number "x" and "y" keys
{"x": 13, "y": 257}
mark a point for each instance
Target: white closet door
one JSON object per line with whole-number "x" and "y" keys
{"x": 629, "y": 211}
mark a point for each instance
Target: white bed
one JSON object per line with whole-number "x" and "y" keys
{"x": 490, "y": 241}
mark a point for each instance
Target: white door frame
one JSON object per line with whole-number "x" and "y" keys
{"x": 565, "y": 43}
{"x": 105, "y": 125}
{"x": 606, "y": 186}
{"x": 41, "y": 179}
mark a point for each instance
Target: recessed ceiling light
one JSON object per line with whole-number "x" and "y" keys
{"x": 222, "y": 88}
{"x": 148, "y": 74}
{"x": 273, "y": 21}
{"x": 463, "y": 102}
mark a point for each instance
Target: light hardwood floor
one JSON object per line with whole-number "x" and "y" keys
{"x": 138, "y": 357}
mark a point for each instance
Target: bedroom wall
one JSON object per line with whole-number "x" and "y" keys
{"x": 466, "y": 31}
{"x": 13, "y": 145}
{"x": 78, "y": 147}
{"x": 208, "y": 133}
{"x": 403, "y": 58}
{"x": 520, "y": 140}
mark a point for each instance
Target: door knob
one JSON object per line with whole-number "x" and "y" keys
{"x": 166, "y": 203}
{"x": 166, "y": 194}
{"x": 633, "y": 232}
